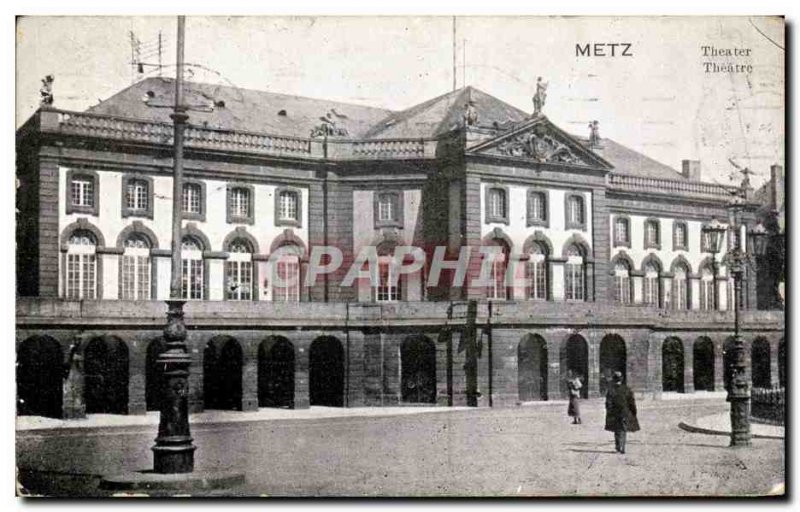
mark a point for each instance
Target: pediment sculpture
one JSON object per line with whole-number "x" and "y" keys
{"x": 540, "y": 146}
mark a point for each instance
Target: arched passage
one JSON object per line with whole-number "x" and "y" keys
{"x": 782, "y": 363}
{"x": 153, "y": 375}
{"x": 703, "y": 364}
{"x": 39, "y": 377}
{"x": 276, "y": 373}
{"x": 326, "y": 372}
{"x": 222, "y": 374}
{"x": 760, "y": 361}
{"x": 613, "y": 358}
{"x": 575, "y": 361}
{"x": 106, "y": 376}
{"x": 418, "y": 370}
{"x": 532, "y": 368}
{"x": 672, "y": 365}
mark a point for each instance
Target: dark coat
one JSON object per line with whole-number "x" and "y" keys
{"x": 621, "y": 409}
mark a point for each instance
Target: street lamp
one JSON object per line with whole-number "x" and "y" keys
{"x": 714, "y": 232}
{"x": 739, "y": 391}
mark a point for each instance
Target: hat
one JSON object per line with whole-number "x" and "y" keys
{"x": 617, "y": 376}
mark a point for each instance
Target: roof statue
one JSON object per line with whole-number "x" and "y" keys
{"x": 594, "y": 134}
{"x": 46, "y": 91}
{"x": 328, "y": 128}
{"x": 470, "y": 114}
{"x": 540, "y": 97}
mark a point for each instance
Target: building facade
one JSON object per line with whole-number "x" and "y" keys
{"x": 585, "y": 257}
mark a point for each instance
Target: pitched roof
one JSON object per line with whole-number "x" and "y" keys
{"x": 244, "y": 109}
{"x": 630, "y": 162}
{"x": 444, "y": 113}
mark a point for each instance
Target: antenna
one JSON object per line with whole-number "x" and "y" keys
{"x": 142, "y": 52}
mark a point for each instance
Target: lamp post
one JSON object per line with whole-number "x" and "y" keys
{"x": 173, "y": 451}
{"x": 736, "y": 259}
{"x": 714, "y": 232}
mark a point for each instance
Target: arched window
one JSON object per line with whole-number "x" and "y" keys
{"x": 574, "y": 274}
{"x": 680, "y": 288}
{"x": 239, "y": 271}
{"x": 136, "y": 269}
{"x": 286, "y": 275}
{"x": 622, "y": 283}
{"x": 537, "y": 273}
{"x": 652, "y": 286}
{"x": 707, "y": 284}
{"x": 192, "y": 278}
{"x": 81, "y": 263}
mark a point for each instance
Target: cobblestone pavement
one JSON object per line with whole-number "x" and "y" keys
{"x": 523, "y": 451}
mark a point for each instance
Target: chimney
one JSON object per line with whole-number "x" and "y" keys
{"x": 776, "y": 187}
{"x": 691, "y": 169}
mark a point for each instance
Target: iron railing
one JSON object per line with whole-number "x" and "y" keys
{"x": 768, "y": 405}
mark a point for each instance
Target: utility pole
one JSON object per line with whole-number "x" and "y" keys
{"x": 173, "y": 451}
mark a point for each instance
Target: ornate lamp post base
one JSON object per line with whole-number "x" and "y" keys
{"x": 174, "y": 452}
{"x": 739, "y": 397}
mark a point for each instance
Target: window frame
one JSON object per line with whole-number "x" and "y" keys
{"x": 92, "y": 176}
{"x": 397, "y": 220}
{"x": 127, "y": 211}
{"x": 83, "y": 257}
{"x": 675, "y": 245}
{"x": 201, "y": 215}
{"x": 568, "y": 222}
{"x": 568, "y": 277}
{"x": 491, "y": 218}
{"x": 647, "y": 243}
{"x": 614, "y": 231}
{"x": 530, "y": 219}
{"x": 288, "y": 291}
{"x": 230, "y": 216}
{"x": 298, "y": 222}
{"x": 150, "y": 288}
{"x": 533, "y": 277}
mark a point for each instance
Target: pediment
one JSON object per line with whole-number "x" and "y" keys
{"x": 540, "y": 141}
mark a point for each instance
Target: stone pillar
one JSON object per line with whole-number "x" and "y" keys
{"x": 773, "y": 362}
{"x": 472, "y": 222}
{"x": 554, "y": 377}
{"x": 73, "y": 403}
{"x": 354, "y": 368}
{"x": 719, "y": 365}
{"x": 316, "y": 235}
{"x": 195, "y": 345}
{"x": 483, "y": 368}
{"x": 391, "y": 369}
{"x": 594, "y": 364}
{"x": 47, "y": 237}
{"x": 601, "y": 245}
{"x": 249, "y": 374}
{"x": 302, "y": 397}
{"x": 688, "y": 366}
{"x": 444, "y": 368}
{"x": 654, "y": 366}
{"x": 137, "y": 362}
{"x": 373, "y": 367}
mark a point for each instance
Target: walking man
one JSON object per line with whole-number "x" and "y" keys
{"x": 620, "y": 411}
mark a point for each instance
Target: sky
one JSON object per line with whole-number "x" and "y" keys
{"x": 661, "y": 101}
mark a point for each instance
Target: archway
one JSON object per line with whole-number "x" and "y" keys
{"x": 276, "y": 373}
{"x": 39, "y": 377}
{"x": 613, "y": 358}
{"x": 153, "y": 375}
{"x": 418, "y": 370}
{"x": 532, "y": 368}
{"x": 326, "y": 372}
{"x": 782, "y": 363}
{"x": 222, "y": 374}
{"x": 672, "y": 365}
{"x": 703, "y": 364}
{"x": 575, "y": 361}
{"x": 759, "y": 359}
{"x": 106, "y": 376}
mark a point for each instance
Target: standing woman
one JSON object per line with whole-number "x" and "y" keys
{"x": 574, "y": 387}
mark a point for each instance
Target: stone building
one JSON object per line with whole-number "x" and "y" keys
{"x": 614, "y": 272}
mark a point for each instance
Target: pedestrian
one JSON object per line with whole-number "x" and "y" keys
{"x": 574, "y": 386}
{"x": 620, "y": 411}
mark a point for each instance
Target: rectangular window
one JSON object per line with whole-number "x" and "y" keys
{"x": 573, "y": 280}
{"x": 82, "y": 192}
{"x": 679, "y": 294}
{"x": 680, "y": 236}
{"x": 537, "y": 210}
{"x": 239, "y": 202}
{"x": 386, "y": 207}
{"x": 621, "y": 231}
{"x": 387, "y": 290}
{"x": 191, "y": 198}
{"x": 192, "y": 279}
{"x": 288, "y": 205}
{"x": 239, "y": 280}
{"x": 497, "y": 203}
{"x": 576, "y": 213}
{"x": 135, "y": 278}
{"x": 287, "y": 284}
{"x": 651, "y": 291}
{"x": 622, "y": 289}
{"x": 136, "y": 196}
{"x": 651, "y": 233}
{"x": 537, "y": 279}
{"x": 81, "y": 276}
{"x": 707, "y": 294}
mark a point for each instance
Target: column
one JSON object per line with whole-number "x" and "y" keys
{"x": 719, "y": 365}
{"x": 688, "y": 366}
{"x": 301, "y": 370}
{"x": 249, "y": 374}
{"x": 554, "y": 377}
{"x": 601, "y": 245}
{"x": 594, "y": 364}
{"x": 773, "y": 362}
{"x": 391, "y": 369}
{"x": 137, "y": 356}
